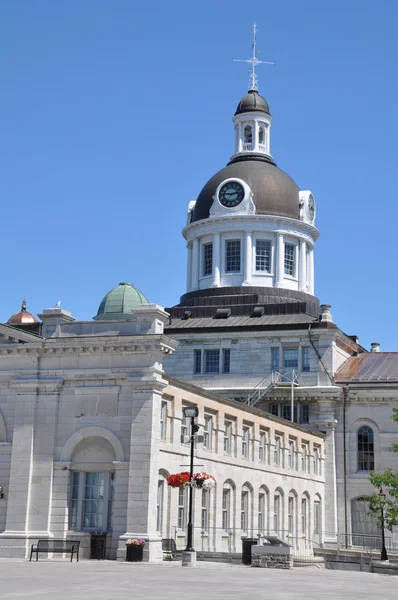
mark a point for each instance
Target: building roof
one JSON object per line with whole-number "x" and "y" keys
{"x": 274, "y": 192}
{"x": 119, "y": 303}
{"x": 252, "y": 102}
{"x": 369, "y": 367}
{"x": 241, "y": 321}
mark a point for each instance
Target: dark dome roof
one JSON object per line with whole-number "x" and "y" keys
{"x": 274, "y": 192}
{"x": 252, "y": 102}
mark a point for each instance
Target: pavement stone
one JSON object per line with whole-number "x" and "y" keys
{"x": 100, "y": 580}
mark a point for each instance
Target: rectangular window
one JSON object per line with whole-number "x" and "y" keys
{"x": 244, "y": 516}
{"x": 207, "y": 259}
{"x": 290, "y": 456}
{"x": 317, "y": 460}
{"x": 287, "y": 412}
{"x": 304, "y": 457}
{"x": 274, "y": 409}
{"x": 317, "y": 516}
{"x": 226, "y": 509}
{"x": 277, "y": 512}
{"x": 304, "y": 516}
{"x": 227, "y": 437}
{"x": 261, "y": 512}
{"x": 306, "y": 360}
{"x": 226, "y": 360}
{"x": 208, "y": 432}
{"x": 74, "y": 500}
{"x": 274, "y": 359}
{"x": 290, "y": 506}
{"x": 245, "y": 442}
{"x": 197, "y": 361}
{"x": 290, "y": 358}
{"x": 181, "y": 520}
{"x": 305, "y": 413}
{"x": 262, "y": 446}
{"x": 277, "y": 451}
{"x": 185, "y": 429}
{"x": 289, "y": 259}
{"x": 232, "y": 256}
{"x": 205, "y": 510}
{"x": 111, "y": 499}
{"x": 93, "y": 506}
{"x": 263, "y": 256}
{"x": 212, "y": 361}
{"x": 159, "y": 506}
{"x": 163, "y": 420}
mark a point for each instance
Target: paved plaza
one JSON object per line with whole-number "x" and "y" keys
{"x": 89, "y": 580}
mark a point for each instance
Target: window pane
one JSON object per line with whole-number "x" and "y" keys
{"x": 306, "y": 360}
{"x": 274, "y": 409}
{"x": 305, "y": 414}
{"x": 290, "y": 358}
{"x": 93, "y": 507}
{"x": 263, "y": 256}
{"x": 212, "y": 361}
{"x": 226, "y": 360}
{"x": 74, "y": 499}
{"x": 232, "y": 256}
{"x": 365, "y": 449}
{"x": 207, "y": 432}
{"x": 197, "y": 362}
{"x": 289, "y": 259}
{"x": 274, "y": 359}
{"x": 163, "y": 420}
{"x": 207, "y": 259}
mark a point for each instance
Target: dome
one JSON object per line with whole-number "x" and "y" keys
{"x": 22, "y": 317}
{"x": 274, "y": 192}
{"x": 252, "y": 102}
{"x": 119, "y": 303}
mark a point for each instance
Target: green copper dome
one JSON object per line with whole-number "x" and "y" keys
{"x": 119, "y": 303}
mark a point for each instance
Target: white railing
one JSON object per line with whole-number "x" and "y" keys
{"x": 260, "y": 390}
{"x": 262, "y": 148}
{"x": 247, "y": 147}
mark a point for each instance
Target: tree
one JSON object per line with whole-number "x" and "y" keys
{"x": 385, "y": 504}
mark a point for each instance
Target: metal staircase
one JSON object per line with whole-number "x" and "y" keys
{"x": 269, "y": 382}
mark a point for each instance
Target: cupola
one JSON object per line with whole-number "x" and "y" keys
{"x": 23, "y": 316}
{"x": 119, "y": 303}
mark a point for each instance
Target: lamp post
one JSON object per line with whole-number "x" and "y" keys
{"x": 189, "y": 554}
{"x": 383, "y": 555}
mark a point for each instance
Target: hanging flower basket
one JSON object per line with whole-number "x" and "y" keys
{"x": 199, "y": 480}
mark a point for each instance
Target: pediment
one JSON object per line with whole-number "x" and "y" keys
{"x": 11, "y": 335}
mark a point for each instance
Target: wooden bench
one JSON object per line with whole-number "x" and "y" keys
{"x": 59, "y": 546}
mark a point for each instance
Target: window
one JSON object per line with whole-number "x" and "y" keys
{"x": 207, "y": 432}
{"x": 245, "y": 441}
{"x": 287, "y": 412}
{"x": 290, "y": 505}
{"x": 277, "y": 512}
{"x": 159, "y": 506}
{"x": 306, "y": 360}
{"x": 261, "y": 512}
{"x": 304, "y": 516}
{"x": 197, "y": 361}
{"x": 277, "y": 451}
{"x": 226, "y": 360}
{"x": 317, "y": 460}
{"x": 290, "y": 456}
{"x": 244, "y": 512}
{"x": 274, "y": 359}
{"x": 207, "y": 259}
{"x": 74, "y": 500}
{"x": 232, "y": 255}
{"x": 226, "y": 509}
{"x": 263, "y": 256}
{"x": 261, "y": 135}
{"x": 305, "y": 414}
{"x": 93, "y": 509}
{"x": 185, "y": 429}
{"x": 227, "y": 437}
{"x": 289, "y": 259}
{"x": 304, "y": 455}
{"x": 163, "y": 420}
{"x": 181, "y": 519}
{"x": 91, "y": 501}
{"x": 290, "y": 358}
{"x": 248, "y": 136}
{"x": 205, "y": 510}
{"x": 262, "y": 446}
{"x": 317, "y": 516}
{"x": 365, "y": 446}
{"x": 274, "y": 409}
{"x": 212, "y": 361}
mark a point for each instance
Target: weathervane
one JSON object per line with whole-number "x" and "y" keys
{"x": 253, "y": 61}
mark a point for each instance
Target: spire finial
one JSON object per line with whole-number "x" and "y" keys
{"x": 23, "y": 307}
{"x": 253, "y": 61}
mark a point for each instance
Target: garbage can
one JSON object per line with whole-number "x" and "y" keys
{"x": 98, "y": 545}
{"x": 247, "y": 544}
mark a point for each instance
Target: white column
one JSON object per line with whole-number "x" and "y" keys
{"x": 189, "y": 266}
{"x": 195, "y": 265}
{"x": 248, "y": 259}
{"x": 255, "y": 136}
{"x": 303, "y": 267}
{"x": 240, "y": 147}
{"x": 280, "y": 260}
{"x": 216, "y": 259}
{"x": 311, "y": 271}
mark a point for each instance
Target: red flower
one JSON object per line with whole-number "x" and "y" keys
{"x": 178, "y": 480}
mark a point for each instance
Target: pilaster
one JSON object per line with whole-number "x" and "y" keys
{"x": 216, "y": 259}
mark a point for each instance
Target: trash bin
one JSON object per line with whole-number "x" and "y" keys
{"x": 98, "y": 545}
{"x": 134, "y": 552}
{"x": 247, "y": 544}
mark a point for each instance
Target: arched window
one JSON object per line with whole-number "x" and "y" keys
{"x": 365, "y": 449}
{"x": 263, "y": 499}
{"x": 261, "y": 135}
{"x": 248, "y": 134}
{"x": 245, "y": 508}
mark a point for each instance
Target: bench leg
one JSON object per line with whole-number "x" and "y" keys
{"x": 37, "y": 555}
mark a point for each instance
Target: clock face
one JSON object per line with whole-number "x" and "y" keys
{"x": 231, "y": 194}
{"x": 311, "y": 207}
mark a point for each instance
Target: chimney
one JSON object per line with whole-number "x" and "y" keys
{"x": 375, "y": 347}
{"x": 326, "y": 317}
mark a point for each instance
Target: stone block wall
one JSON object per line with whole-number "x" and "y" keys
{"x": 272, "y": 561}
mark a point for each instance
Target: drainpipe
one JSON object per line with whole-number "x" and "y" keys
{"x": 345, "y": 392}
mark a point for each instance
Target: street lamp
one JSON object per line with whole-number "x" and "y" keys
{"x": 383, "y": 555}
{"x": 190, "y": 412}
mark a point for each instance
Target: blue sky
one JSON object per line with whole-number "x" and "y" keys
{"x": 113, "y": 115}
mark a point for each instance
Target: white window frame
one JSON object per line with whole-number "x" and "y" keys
{"x": 295, "y": 255}
{"x": 203, "y": 261}
{"x": 182, "y": 509}
{"x": 262, "y": 446}
{"x": 305, "y": 359}
{"x": 226, "y": 508}
{"x": 304, "y": 516}
{"x": 260, "y": 271}
{"x": 304, "y": 457}
{"x": 262, "y": 507}
{"x": 208, "y": 432}
{"x": 244, "y": 510}
{"x": 159, "y": 506}
{"x": 163, "y": 420}
{"x": 277, "y": 512}
{"x": 205, "y": 511}
{"x": 290, "y": 455}
{"x": 291, "y": 515}
{"x": 246, "y": 441}
{"x": 277, "y": 451}
{"x": 226, "y": 242}
{"x": 228, "y": 425}
{"x": 106, "y": 501}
